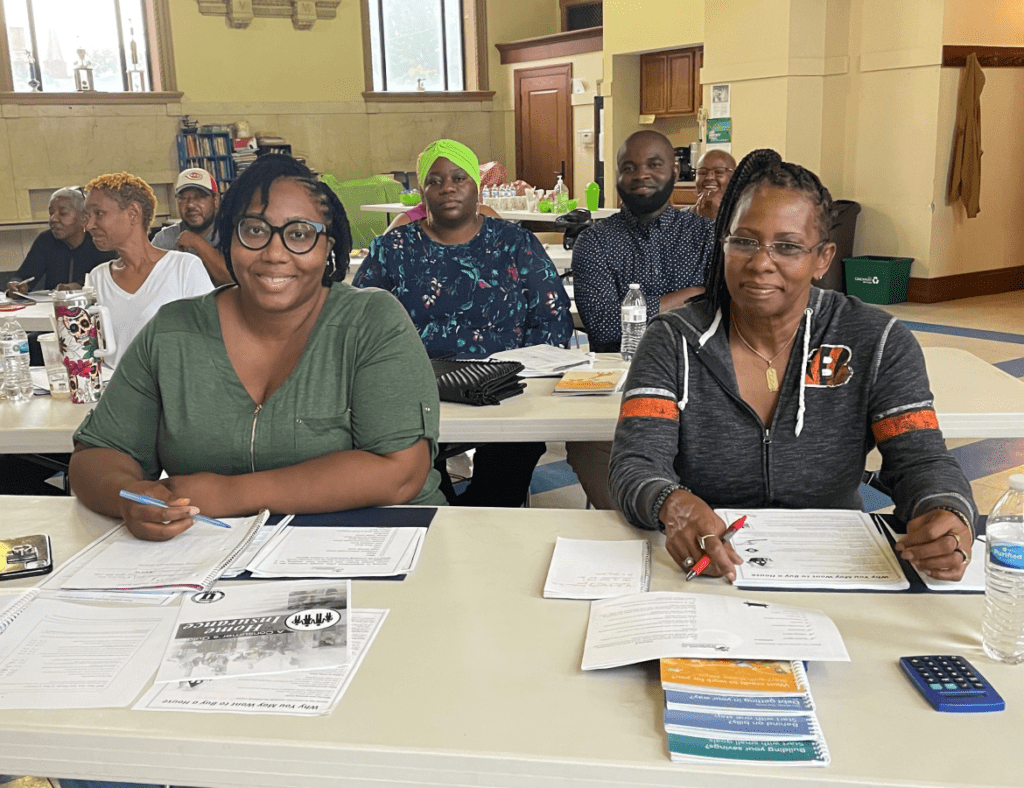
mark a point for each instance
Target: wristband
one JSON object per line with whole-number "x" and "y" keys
{"x": 963, "y": 518}
{"x": 660, "y": 501}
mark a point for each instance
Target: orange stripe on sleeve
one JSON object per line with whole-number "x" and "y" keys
{"x": 649, "y": 407}
{"x": 904, "y": 423}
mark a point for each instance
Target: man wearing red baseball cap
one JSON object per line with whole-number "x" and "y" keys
{"x": 196, "y": 191}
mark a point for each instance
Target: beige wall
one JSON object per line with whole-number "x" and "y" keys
{"x": 632, "y": 27}
{"x": 992, "y": 239}
{"x": 992, "y": 23}
{"x": 588, "y": 67}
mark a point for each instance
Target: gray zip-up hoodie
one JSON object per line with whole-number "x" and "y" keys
{"x": 855, "y": 379}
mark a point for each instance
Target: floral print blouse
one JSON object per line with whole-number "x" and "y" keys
{"x": 497, "y": 292}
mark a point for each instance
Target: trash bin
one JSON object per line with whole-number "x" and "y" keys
{"x": 876, "y": 279}
{"x": 844, "y": 227}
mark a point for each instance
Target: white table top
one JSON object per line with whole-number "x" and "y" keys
{"x": 474, "y": 679}
{"x": 973, "y": 399}
{"x": 512, "y": 216}
{"x": 34, "y": 317}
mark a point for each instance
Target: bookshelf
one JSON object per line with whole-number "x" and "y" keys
{"x": 210, "y": 151}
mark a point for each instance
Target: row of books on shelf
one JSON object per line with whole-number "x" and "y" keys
{"x": 198, "y": 145}
{"x": 741, "y": 711}
{"x": 220, "y": 169}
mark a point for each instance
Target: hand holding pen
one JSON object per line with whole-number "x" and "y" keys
{"x": 145, "y": 499}
{"x": 152, "y": 511}
{"x": 704, "y": 562}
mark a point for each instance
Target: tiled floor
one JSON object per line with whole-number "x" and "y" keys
{"x": 991, "y": 327}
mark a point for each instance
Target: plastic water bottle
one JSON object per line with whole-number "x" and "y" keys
{"x": 14, "y": 349}
{"x": 1002, "y": 629}
{"x": 634, "y": 321}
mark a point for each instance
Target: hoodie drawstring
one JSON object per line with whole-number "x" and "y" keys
{"x": 803, "y": 371}
{"x": 686, "y": 357}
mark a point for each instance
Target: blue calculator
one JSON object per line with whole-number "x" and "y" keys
{"x": 951, "y": 683}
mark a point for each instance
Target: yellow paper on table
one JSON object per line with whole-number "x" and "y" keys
{"x": 605, "y": 381}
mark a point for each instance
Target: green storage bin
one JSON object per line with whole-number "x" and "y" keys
{"x": 876, "y": 279}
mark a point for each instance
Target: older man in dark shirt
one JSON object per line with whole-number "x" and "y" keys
{"x": 648, "y": 242}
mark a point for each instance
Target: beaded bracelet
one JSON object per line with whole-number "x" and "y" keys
{"x": 660, "y": 501}
{"x": 963, "y": 518}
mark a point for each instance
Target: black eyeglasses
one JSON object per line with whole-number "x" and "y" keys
{"x": 299, "y": 236}
{"x": 781, "y": 252}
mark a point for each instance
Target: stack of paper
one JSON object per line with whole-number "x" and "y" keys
{"x": 544, "y": 361}
{"x": 257, "y": 629}
{"x": 195, "y": 559}
{"x": 748, "y": 711}
{"x": 593, "y": 569}
{"x": 827, "y": 549}
{"x": 313, "y": 551}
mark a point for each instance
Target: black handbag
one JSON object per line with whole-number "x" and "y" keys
{"x": 477, "y": 382}
{"x": 573, "y": 223}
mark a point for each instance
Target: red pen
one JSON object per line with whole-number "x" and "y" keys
{"x": 704, "y": 562}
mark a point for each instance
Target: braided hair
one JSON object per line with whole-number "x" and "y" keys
{"x": 258, "y": 177}
{"x": 761, "y": 167}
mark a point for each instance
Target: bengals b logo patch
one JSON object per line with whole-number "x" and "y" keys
{"x": 827, "y": 366}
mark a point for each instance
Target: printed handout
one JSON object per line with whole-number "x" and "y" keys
{"x": 823, "y": 549}
{"x": 314, "y": 551}
{"x": 304, "y": 693}
{"x": 259, "y": 628}
{"x": 597, "y": 569}
{"x": 642, "y": 627}
{"x": 57, "y": 654}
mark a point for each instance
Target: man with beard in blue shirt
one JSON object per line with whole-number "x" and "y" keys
{"x": 648, "y": 242}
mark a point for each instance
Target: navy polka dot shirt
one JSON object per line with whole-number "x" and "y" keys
{"x": 670, "y": 253}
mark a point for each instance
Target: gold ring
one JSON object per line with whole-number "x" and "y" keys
{"x": 701, "y": 539}
{"x": 967, "y": 558}
{"x": 950, "y": 533}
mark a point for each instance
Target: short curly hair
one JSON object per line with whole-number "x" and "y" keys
{"x": 125, "y": 188}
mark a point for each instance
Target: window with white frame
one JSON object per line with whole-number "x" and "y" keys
{"x": 417, "y": 45}
{"x": 61, "y": 46}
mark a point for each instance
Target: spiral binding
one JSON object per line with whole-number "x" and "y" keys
{"x": 8, "y": 615}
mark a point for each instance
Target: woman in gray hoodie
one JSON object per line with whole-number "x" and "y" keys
{"x": 768, "y": 392}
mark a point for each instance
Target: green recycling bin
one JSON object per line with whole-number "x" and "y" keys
{"x": 876, "y": 279}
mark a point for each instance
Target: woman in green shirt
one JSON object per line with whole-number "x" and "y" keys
{"x": 278, "y": 392}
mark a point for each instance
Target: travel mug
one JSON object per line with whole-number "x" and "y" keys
{"x": 83, "y": 341}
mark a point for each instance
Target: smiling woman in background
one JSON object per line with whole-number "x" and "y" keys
{"x": 281, "y": 392}
{"x": 134, "y": 286}
{"x": 768, "y": 392}
{"x": 473, "y": 286}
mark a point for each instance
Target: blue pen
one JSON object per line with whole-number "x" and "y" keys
{"x": 157, "y": 502}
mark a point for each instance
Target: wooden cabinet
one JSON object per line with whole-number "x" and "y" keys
{"x": 669, "y": 86}
{"x": 683, "y": 195}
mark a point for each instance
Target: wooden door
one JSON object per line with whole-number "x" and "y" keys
{"x": 544, "y": 124}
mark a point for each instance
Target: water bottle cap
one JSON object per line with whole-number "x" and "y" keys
{"x": 634, "y": 287}
{"x": 1017, "y": 482}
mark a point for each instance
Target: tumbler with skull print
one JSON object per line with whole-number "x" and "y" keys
{"x": 83, "y": 331}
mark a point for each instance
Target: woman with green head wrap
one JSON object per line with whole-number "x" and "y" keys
{"x": 459, "y": 155}
{"x": 473, "y": 286}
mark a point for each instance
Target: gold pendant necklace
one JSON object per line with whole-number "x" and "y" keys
{"x": 770, "y": 374}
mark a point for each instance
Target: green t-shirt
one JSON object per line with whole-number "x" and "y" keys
{"x": 363, "y": 382}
